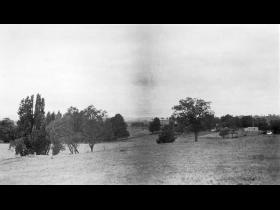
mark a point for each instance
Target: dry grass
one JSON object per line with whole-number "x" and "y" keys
{"x": 247, "y": 160}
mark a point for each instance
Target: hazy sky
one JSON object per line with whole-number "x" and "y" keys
{"x": 141, "y": 70}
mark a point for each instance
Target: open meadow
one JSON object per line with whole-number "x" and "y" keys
{"x": 246, "y": 160}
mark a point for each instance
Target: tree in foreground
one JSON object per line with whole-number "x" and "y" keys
{"x": 192, "y": 112}
{"x": 167, "y": 134}
{"x": 31, "y": 127}
{"x": 119, "y": 126}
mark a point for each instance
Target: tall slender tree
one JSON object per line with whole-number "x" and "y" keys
{"x": 39, "y": 112}
{"x": 31, "y": 125}
{"x": 25, "y": 112}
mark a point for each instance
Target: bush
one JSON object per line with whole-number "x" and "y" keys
{"x": 39, "y": 142}
{"x": 34, "y": 143}
{"x": 20, "y": 146}
{"x": 167, "y": 135}
{"x": 224, "y": 131}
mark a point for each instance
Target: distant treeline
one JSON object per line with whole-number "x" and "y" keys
{"x": 195, "y": 115}
{"x": 230, "y": 121}
{"x": 264, "y": 123}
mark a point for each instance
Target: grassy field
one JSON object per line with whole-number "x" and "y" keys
{"x": 246, "y": 160}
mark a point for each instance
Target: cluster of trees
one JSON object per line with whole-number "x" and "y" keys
{"x": 89, "y": 126}
{"x": 30, "y": 135}
{"x": 228, "y": 123}
{"x": 38, "y": 133}
{"x": 243, "y": 122}
{"x": 192, "y": 114}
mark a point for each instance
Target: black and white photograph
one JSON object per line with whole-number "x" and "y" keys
{"x": 139, "y": 104}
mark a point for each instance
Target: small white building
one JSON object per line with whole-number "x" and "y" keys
{"x": 251, "y": 129}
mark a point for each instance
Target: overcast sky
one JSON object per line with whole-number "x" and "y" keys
{"x": 141, "y": 70}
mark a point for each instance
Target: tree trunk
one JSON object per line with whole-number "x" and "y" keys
{"x": 195, "y": 136}
{"x": 76, "y": 150}
{"x": 91, "y": 147}
{"x": 70, "y": 148}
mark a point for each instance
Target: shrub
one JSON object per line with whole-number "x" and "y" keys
{"x": 167, "y": 135}
{"x": 39, "y": 142}
{"x": 30, "y": 144}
